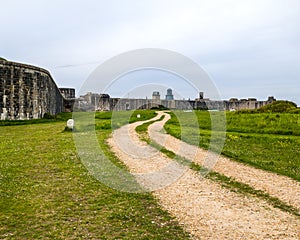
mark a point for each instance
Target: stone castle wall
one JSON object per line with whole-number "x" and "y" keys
{"x": 28, "y": 92}
{"x": 106, "y": 104}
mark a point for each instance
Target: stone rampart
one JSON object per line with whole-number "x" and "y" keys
{"x": 106, "y": 104}
{"x": 28, "y": 92}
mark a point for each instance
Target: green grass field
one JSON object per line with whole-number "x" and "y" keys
{"x": 46, "y": 192}
{"x": 270, "y": 141}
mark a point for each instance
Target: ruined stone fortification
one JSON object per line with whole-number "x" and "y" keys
{"x": 28, "y": 92}
{"x": 103, "y": 102}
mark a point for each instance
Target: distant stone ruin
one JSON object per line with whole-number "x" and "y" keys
{"x": 103, "y": 102}
{"x": 28, "y": 92}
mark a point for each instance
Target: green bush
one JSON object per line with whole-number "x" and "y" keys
{"x": 48, "y": 116}
{"x": 160, "y": 108}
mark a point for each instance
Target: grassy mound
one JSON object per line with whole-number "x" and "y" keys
{"x": 275, "y": 107}
{"x": 2, "y": 59}
{"x": 279, "y": 107}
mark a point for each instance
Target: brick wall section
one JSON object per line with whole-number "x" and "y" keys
{"x": 27, "y": 92}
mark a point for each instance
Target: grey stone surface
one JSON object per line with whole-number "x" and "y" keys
{"x": 28, "y": 92}
{"x": 105, "y": 103}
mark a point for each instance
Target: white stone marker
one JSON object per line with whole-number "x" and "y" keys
{"x": 70, "y": 123}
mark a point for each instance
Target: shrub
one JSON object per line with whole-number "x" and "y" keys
{"x": 160, "y": 107}
{"x": 48, "y": 116}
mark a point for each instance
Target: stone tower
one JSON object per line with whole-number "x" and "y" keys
{"x": 155, "y": 95}
{"x": 169, "y": 95}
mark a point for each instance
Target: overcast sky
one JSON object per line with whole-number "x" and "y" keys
{"x": 249, "y": 48}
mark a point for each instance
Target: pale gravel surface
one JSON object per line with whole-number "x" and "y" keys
{"x": 205, "y": 209}
{"x": 152, "y": 175}
{"x": 284, "y": 188}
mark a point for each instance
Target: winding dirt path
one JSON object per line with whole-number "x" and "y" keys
{"x": 284, "y": 188}
{"x": 205, "y": 209}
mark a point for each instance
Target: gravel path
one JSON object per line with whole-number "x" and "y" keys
{"x": 205, "y": 209}
{"x": 284, "y": 188}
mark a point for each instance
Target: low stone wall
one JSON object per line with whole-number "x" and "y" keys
{"x": 27, "y": 92}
